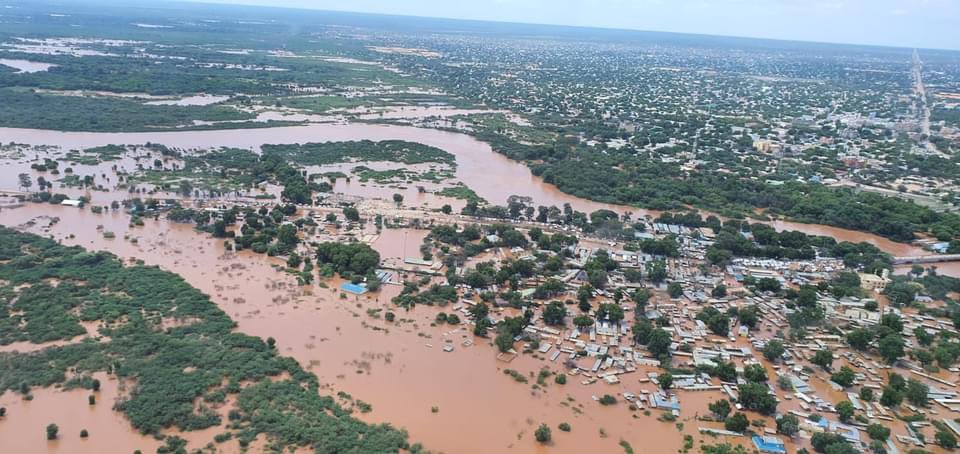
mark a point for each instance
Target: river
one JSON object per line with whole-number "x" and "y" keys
{"x": 491, "y": 175}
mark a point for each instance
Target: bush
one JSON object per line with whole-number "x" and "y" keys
{"x": 564, "y": 427}
{"x": 737, "y": 423}
{"x": 543, "y": 434}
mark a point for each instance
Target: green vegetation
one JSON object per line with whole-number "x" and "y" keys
{"x": 462, "y": 192}
{"x": 25, "y": 109}
{"x": 315, "y": 154}
{"x": 350, "y": 260}
{"x": 173, "y": 367}
{"x": 542, "y": 434}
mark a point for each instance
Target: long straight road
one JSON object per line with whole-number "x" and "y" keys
{"x": 923, "y": 111}
{"x": 922, "y": 106}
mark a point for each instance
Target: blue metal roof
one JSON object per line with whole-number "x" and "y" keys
{"x": 769, "y": 444}
{"x": 353, "y": 288}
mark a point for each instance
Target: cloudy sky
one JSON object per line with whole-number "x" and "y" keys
{"x": 907, "y": 23}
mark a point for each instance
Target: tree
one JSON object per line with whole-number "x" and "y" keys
{"x": 822, "y": 441}
{"x": 611, "y": 312}
{"x": 891, "y": 348}
{"x": 721, "y": 408}
{"x": 844, "y": 410}
{"x": 607, "y": 399}
{"x": 583, "y": 321}
{"x": 718, "y": 322}
{"x": 916, "y": 392}
{"x": 504, "y": 341}
{"x": 737, "y": 423}
{"x": 897, "y": 382}
{"x": 665, "y": 380}
{"x": 866, "y": 394}
{"x": 774, "y": 351}
{"x": 892, "y": 321}
{"x": 656, "y": 271}
{"x": 446, "y": 209}
{"x": 923, "y": 336}
{"x": 807, "y": 296}
{"x": 946, "y": 439}
{"x": 784, "y": 383}
{"x": 900, "y": 293}
{"x": 641, "y": 298}
{"x": 287, "y": 235}
{"x": 720, "y": 291}
{"x": 749, "y": 316}
{"x": 755, "y": 373}
{"x": 659, "y": 342}
{"x": 756, "y": 397}
{"x": 584, "y": 293}
{"x": 674, "y": 289}
{"x": 769, "y": 284}
{"x": 718, "y": 256}
{"x": 891, "y": 397}
{"x": 351, "y": 214}
{"x": 397, "y": 198}
{"x": 859, "y": 339}
{"x": 788, "y": 425}
{"x": 554, "y": 313}
{"x": 84, "y": 433}
{"x": 24, "y": 181}
{"x": 823, "y": 358}
{"x": 597, "y": 278}
{"x": 843, "y": 377}
{"x": 542, "y": 434}
{"x": 52, "y": 431}
{"x": 641, "y": 331}
{"x": 878, "y": 432}
{"x": 725, "y": 372}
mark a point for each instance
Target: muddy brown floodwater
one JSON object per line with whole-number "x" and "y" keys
{"x": 399, "y": 368}
{"x": 459, "y": 401}
{"x": 491, "y": 175}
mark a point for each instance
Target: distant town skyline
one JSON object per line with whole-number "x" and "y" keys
{"x": 900, "y": 23}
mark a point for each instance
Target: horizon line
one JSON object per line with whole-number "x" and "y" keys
{"x": 545, "y": 24}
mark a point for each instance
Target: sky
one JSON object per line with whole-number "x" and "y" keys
{"x": 902, "y": 23}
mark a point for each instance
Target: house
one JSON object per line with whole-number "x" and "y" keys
{"x": 869, "y": 281}
{"x": 769, "y": 444}
{"x": 353, "y": 288}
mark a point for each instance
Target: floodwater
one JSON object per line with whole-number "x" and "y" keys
{"x": 23, "y": 430}
{"x": 443, "y": 399}
{"x": 399, "y": 368}
{"x": 26, "y": 66}
{"x": 198, "y": 100}
{"x": 491, "y": 175}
